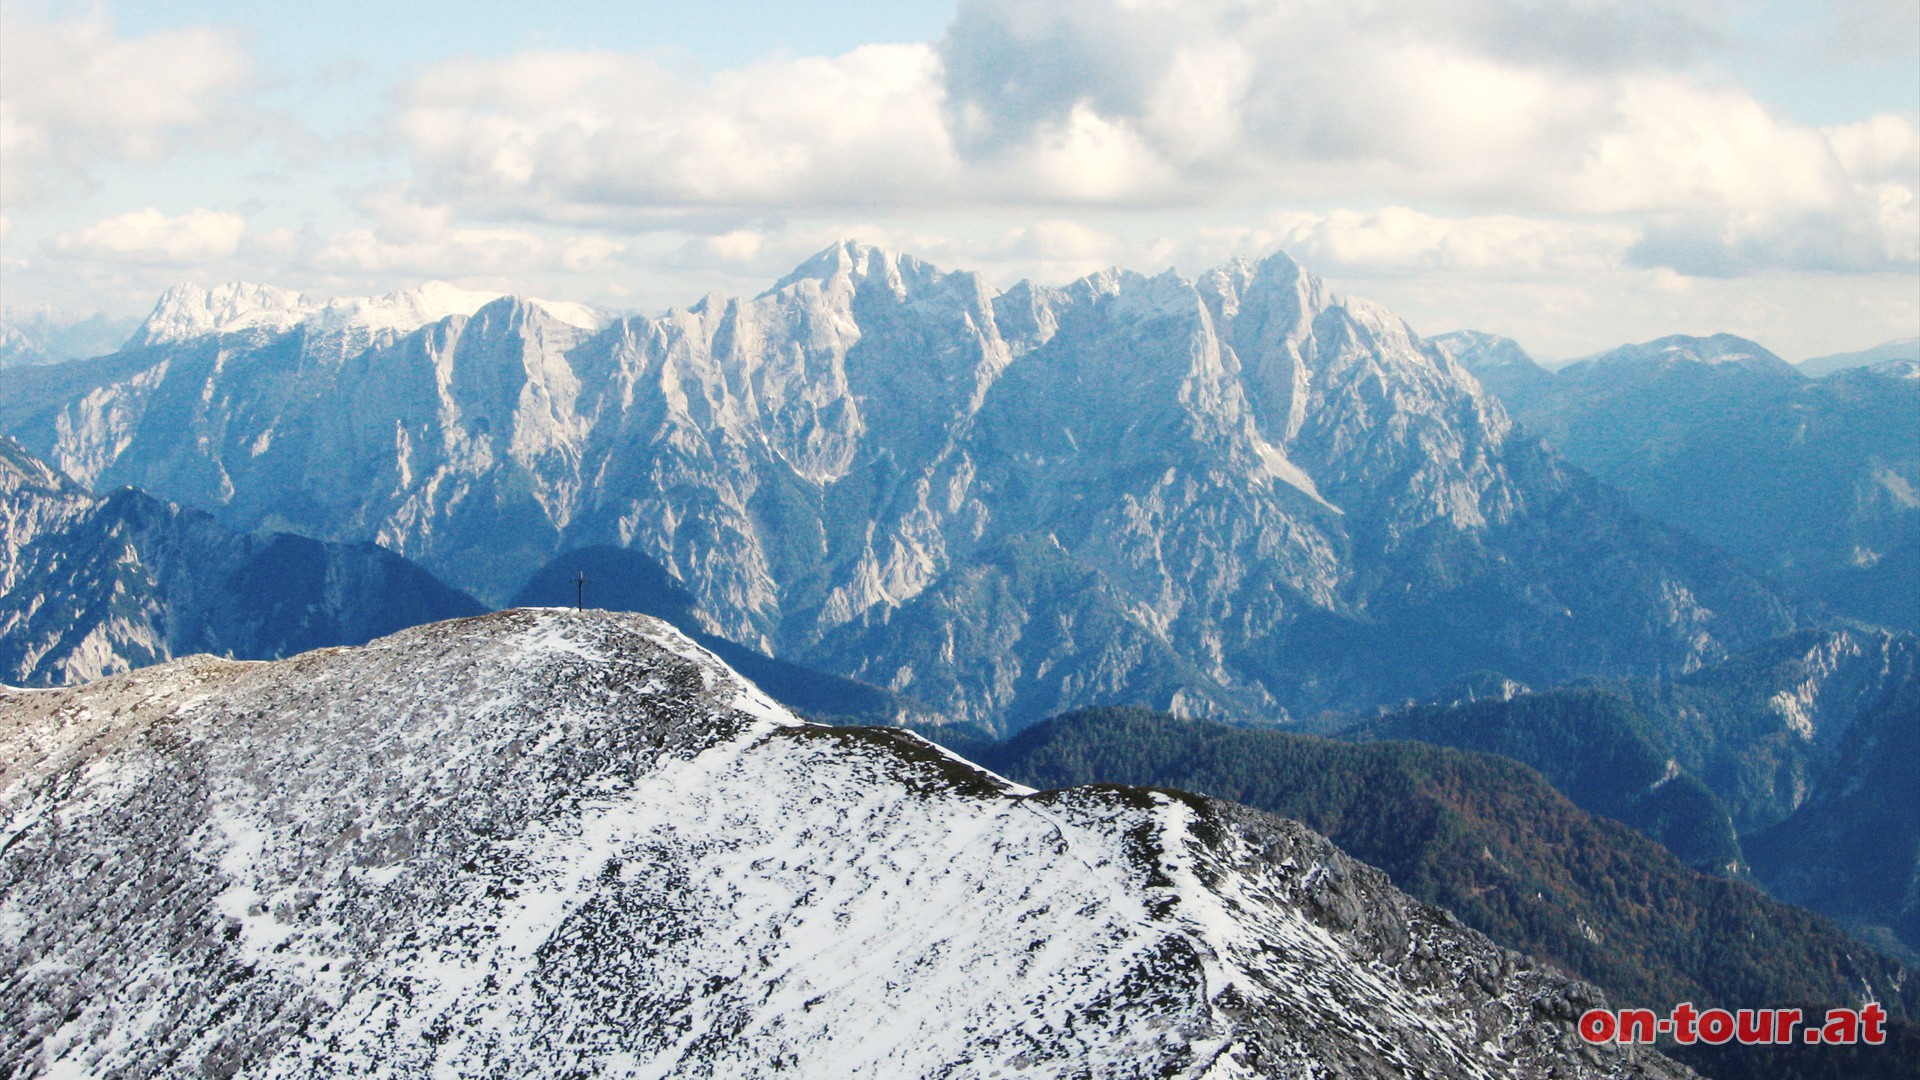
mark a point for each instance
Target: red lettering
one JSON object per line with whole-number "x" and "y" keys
{"x": 1843, "y": 1026}
{"x": 1638, "y": 1025}
{"x": 1871, "y": 1017}
{"x": 1683, "y": 1018}
{"x": 1716, "y": 1026}
{"x": 1784, "y": 1021}
{"x": 1753, "y": 1027}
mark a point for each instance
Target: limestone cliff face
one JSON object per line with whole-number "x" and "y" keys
{"x": 1236, "y": 491}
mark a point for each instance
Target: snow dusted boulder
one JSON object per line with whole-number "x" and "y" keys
{"x": 548, "y": 843}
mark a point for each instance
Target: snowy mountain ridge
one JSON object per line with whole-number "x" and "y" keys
{"x": 188, "y": 311}
{"x": 42, "y": 334}
{"x": 1713, "y": 350}
{"x": 1481, "y": 352}
{"x": 1907, "y": 349}
{"x": 563, "y": 843}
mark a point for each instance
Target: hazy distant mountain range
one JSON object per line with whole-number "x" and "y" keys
{"x": 1814, "y": 482}
{"x": 36, "y": 336}
{"x": 1903, "y": 349}
{"x": 1233, "y": 494}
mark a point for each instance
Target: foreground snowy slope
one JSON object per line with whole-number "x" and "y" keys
{"x": 548, "y": 843}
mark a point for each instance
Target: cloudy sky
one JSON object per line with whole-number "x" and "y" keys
{"x": 1574, "y": 174}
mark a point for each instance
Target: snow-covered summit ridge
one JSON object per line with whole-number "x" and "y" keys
{"x": 1681, "y": 350}
{"x": 188, "y": 311}
{"x": 545, "y": 842}
{"x": 1887, "y": 352}
{"x": 857, "y": 263}
{"x": 1478, "y": 351}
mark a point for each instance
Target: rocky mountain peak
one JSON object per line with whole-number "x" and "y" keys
{"x": 188, "y": 311}
{"x": 41, "y": 333}
{"x": 17, "y": 347}
{"x": 1269, "y": 288}
{"x": 1499, "y": 363}
{"x": 21, "y": 471}
{"x": 1478, "y": 351}
{"x": 401, "y": 311}
{"x": 861, "y": 266}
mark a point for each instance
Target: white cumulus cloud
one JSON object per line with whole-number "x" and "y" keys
{"x": 74, "y": 95}
{"x": 571, "y": 135}
{"x": 1384, "y": 102}
{"x": 1497, "y": 109}
{"x": 1399, "y": 239}
{"x": 497, "y": 253}
{"x": 151, "y": 237}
